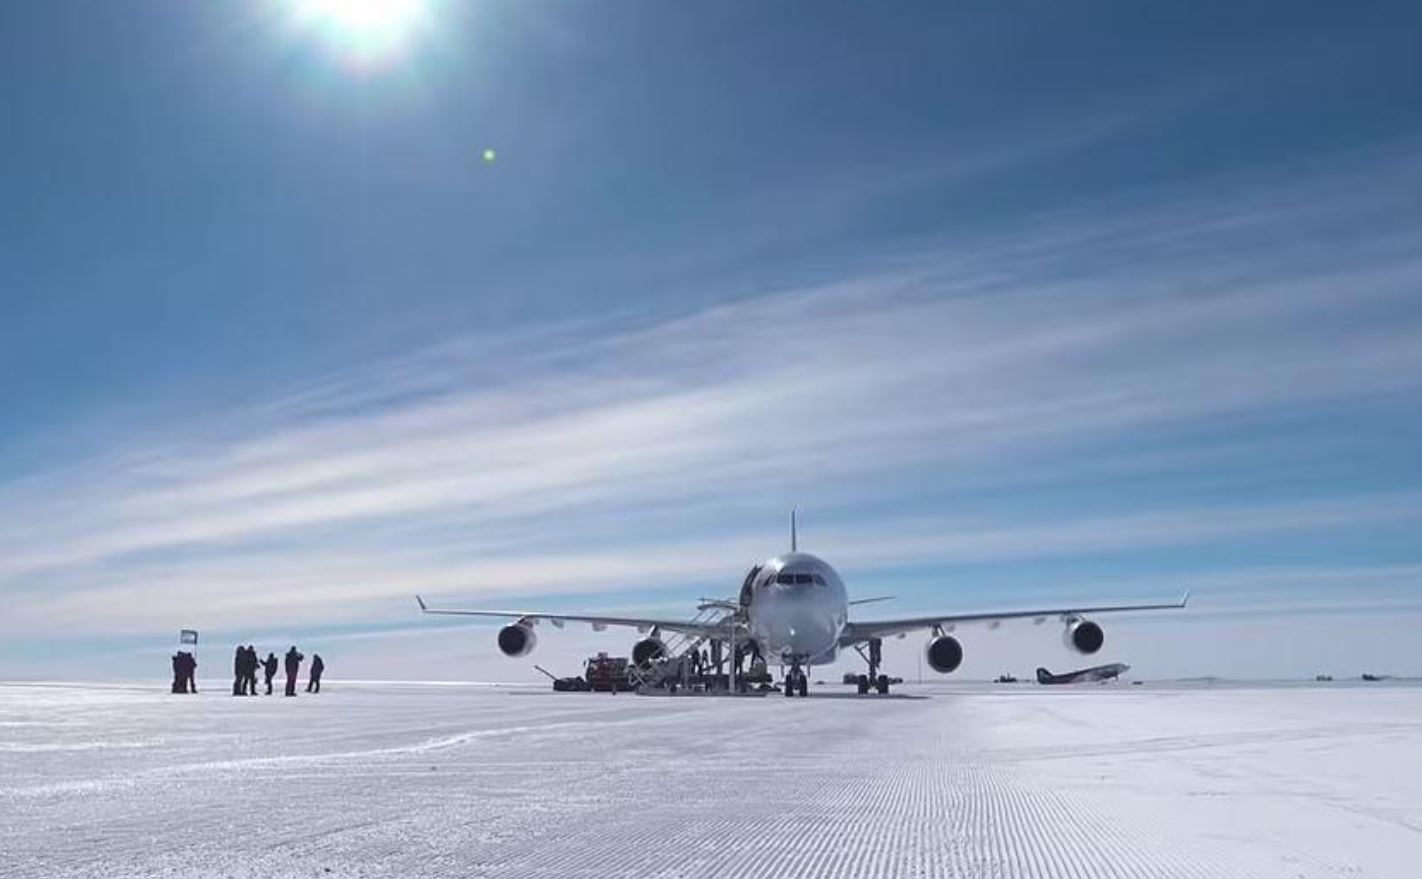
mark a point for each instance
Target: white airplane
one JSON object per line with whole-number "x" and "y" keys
{"x": 1097, "y": 674}
{"x": 795, "y": 609}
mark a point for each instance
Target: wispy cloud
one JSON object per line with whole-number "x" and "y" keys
{"x": 342, "y": 584}
{"x": 564, "y": 460}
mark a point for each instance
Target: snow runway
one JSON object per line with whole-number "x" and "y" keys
{"x": 433, "y": 781}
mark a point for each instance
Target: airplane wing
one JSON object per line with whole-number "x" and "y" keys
{"x": 598, "y": 622}
{"x": 855, "y": 633}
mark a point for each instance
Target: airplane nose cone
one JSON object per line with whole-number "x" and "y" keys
{"x": 801, "y": 636}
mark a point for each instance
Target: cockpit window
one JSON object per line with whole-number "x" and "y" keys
{"x": 800, "y": 579}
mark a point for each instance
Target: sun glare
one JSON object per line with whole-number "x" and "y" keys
{"x": 364, "y": 32}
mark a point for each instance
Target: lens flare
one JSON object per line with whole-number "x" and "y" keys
{"x": 364, "y": 32}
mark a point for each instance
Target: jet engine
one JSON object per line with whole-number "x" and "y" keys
{"x": 944, "y": 654}
{"x": 646, "y": 650}
{"x": 517, "y": 639}
{"x": 1084, "y": 636}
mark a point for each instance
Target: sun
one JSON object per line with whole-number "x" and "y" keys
{"x": 363, "y": 31}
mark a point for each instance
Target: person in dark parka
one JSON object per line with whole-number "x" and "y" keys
{"x": 246, "y": 674}
{"x": 269, "y": 670}
{"x": 317, "y": 667}
{"x": 254, "y": 662}
{"x": 187, "y": 671}
{"x": 239, "y": 670}
{"x": 177, "y": 672}
{"x": 293, "y": 669}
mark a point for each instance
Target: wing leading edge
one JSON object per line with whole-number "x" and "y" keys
{"x": 642, "y": 624}
{"x": 857, "y": 632}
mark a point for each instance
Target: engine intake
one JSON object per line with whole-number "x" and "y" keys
{"x": 517, "y": 640}
{"x": 648, "y": 649}
{"x": 1084, "y": 636}
{"x": 944, "y": 654}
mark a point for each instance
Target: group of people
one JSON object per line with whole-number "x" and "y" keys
{"x": 184, "y": 672}
{"x": 247, "y": 662}
{"x": 703, "y": 662}
{"x": 244, "y": 671}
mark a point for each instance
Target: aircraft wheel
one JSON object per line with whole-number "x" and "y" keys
{"x": 863, "y": 684}
{"x": 789, "y": 686}
{"x": 804, "y": 684}
{"x": 883, "y": 685}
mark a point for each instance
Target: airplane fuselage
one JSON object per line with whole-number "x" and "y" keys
{"x": 796, "y": 609}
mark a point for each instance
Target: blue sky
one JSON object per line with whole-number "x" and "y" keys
{"x": 1020, "y": 303}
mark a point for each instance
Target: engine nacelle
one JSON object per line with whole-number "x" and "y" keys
{"x": 1084, "y": 636}
{"x": 517, "y": 640}
{"x": 944, "y": 654}
{"x": 648, "y": 649}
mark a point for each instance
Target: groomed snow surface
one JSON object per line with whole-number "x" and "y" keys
{"x": 432, "y": 781}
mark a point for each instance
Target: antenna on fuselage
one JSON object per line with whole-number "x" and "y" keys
{"x": 794, "y": 537}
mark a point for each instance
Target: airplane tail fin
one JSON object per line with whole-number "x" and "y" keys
{"x": 1045, "y": 677}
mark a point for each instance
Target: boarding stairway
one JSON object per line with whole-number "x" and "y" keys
{"x": 673, "y": 666}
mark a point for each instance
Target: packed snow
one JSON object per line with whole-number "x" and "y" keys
{"x": 397, "y": 780}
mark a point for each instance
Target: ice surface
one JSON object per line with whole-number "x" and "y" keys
{"x": 432, "y": 781}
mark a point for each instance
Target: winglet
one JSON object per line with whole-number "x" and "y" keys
{"x": 1185, "y": 599}
{"x": 422, "y": 604}
{"x": 794, "y": 536}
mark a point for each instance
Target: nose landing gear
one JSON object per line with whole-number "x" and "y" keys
{"x": 796, "y": 681}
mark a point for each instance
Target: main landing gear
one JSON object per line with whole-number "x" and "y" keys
{"x": 874, "y": 680}
{"x": 796, "y": 681}
{"x": 879, "y": 683}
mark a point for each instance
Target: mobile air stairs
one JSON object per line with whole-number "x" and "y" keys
{"x": 671, "y": 669}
